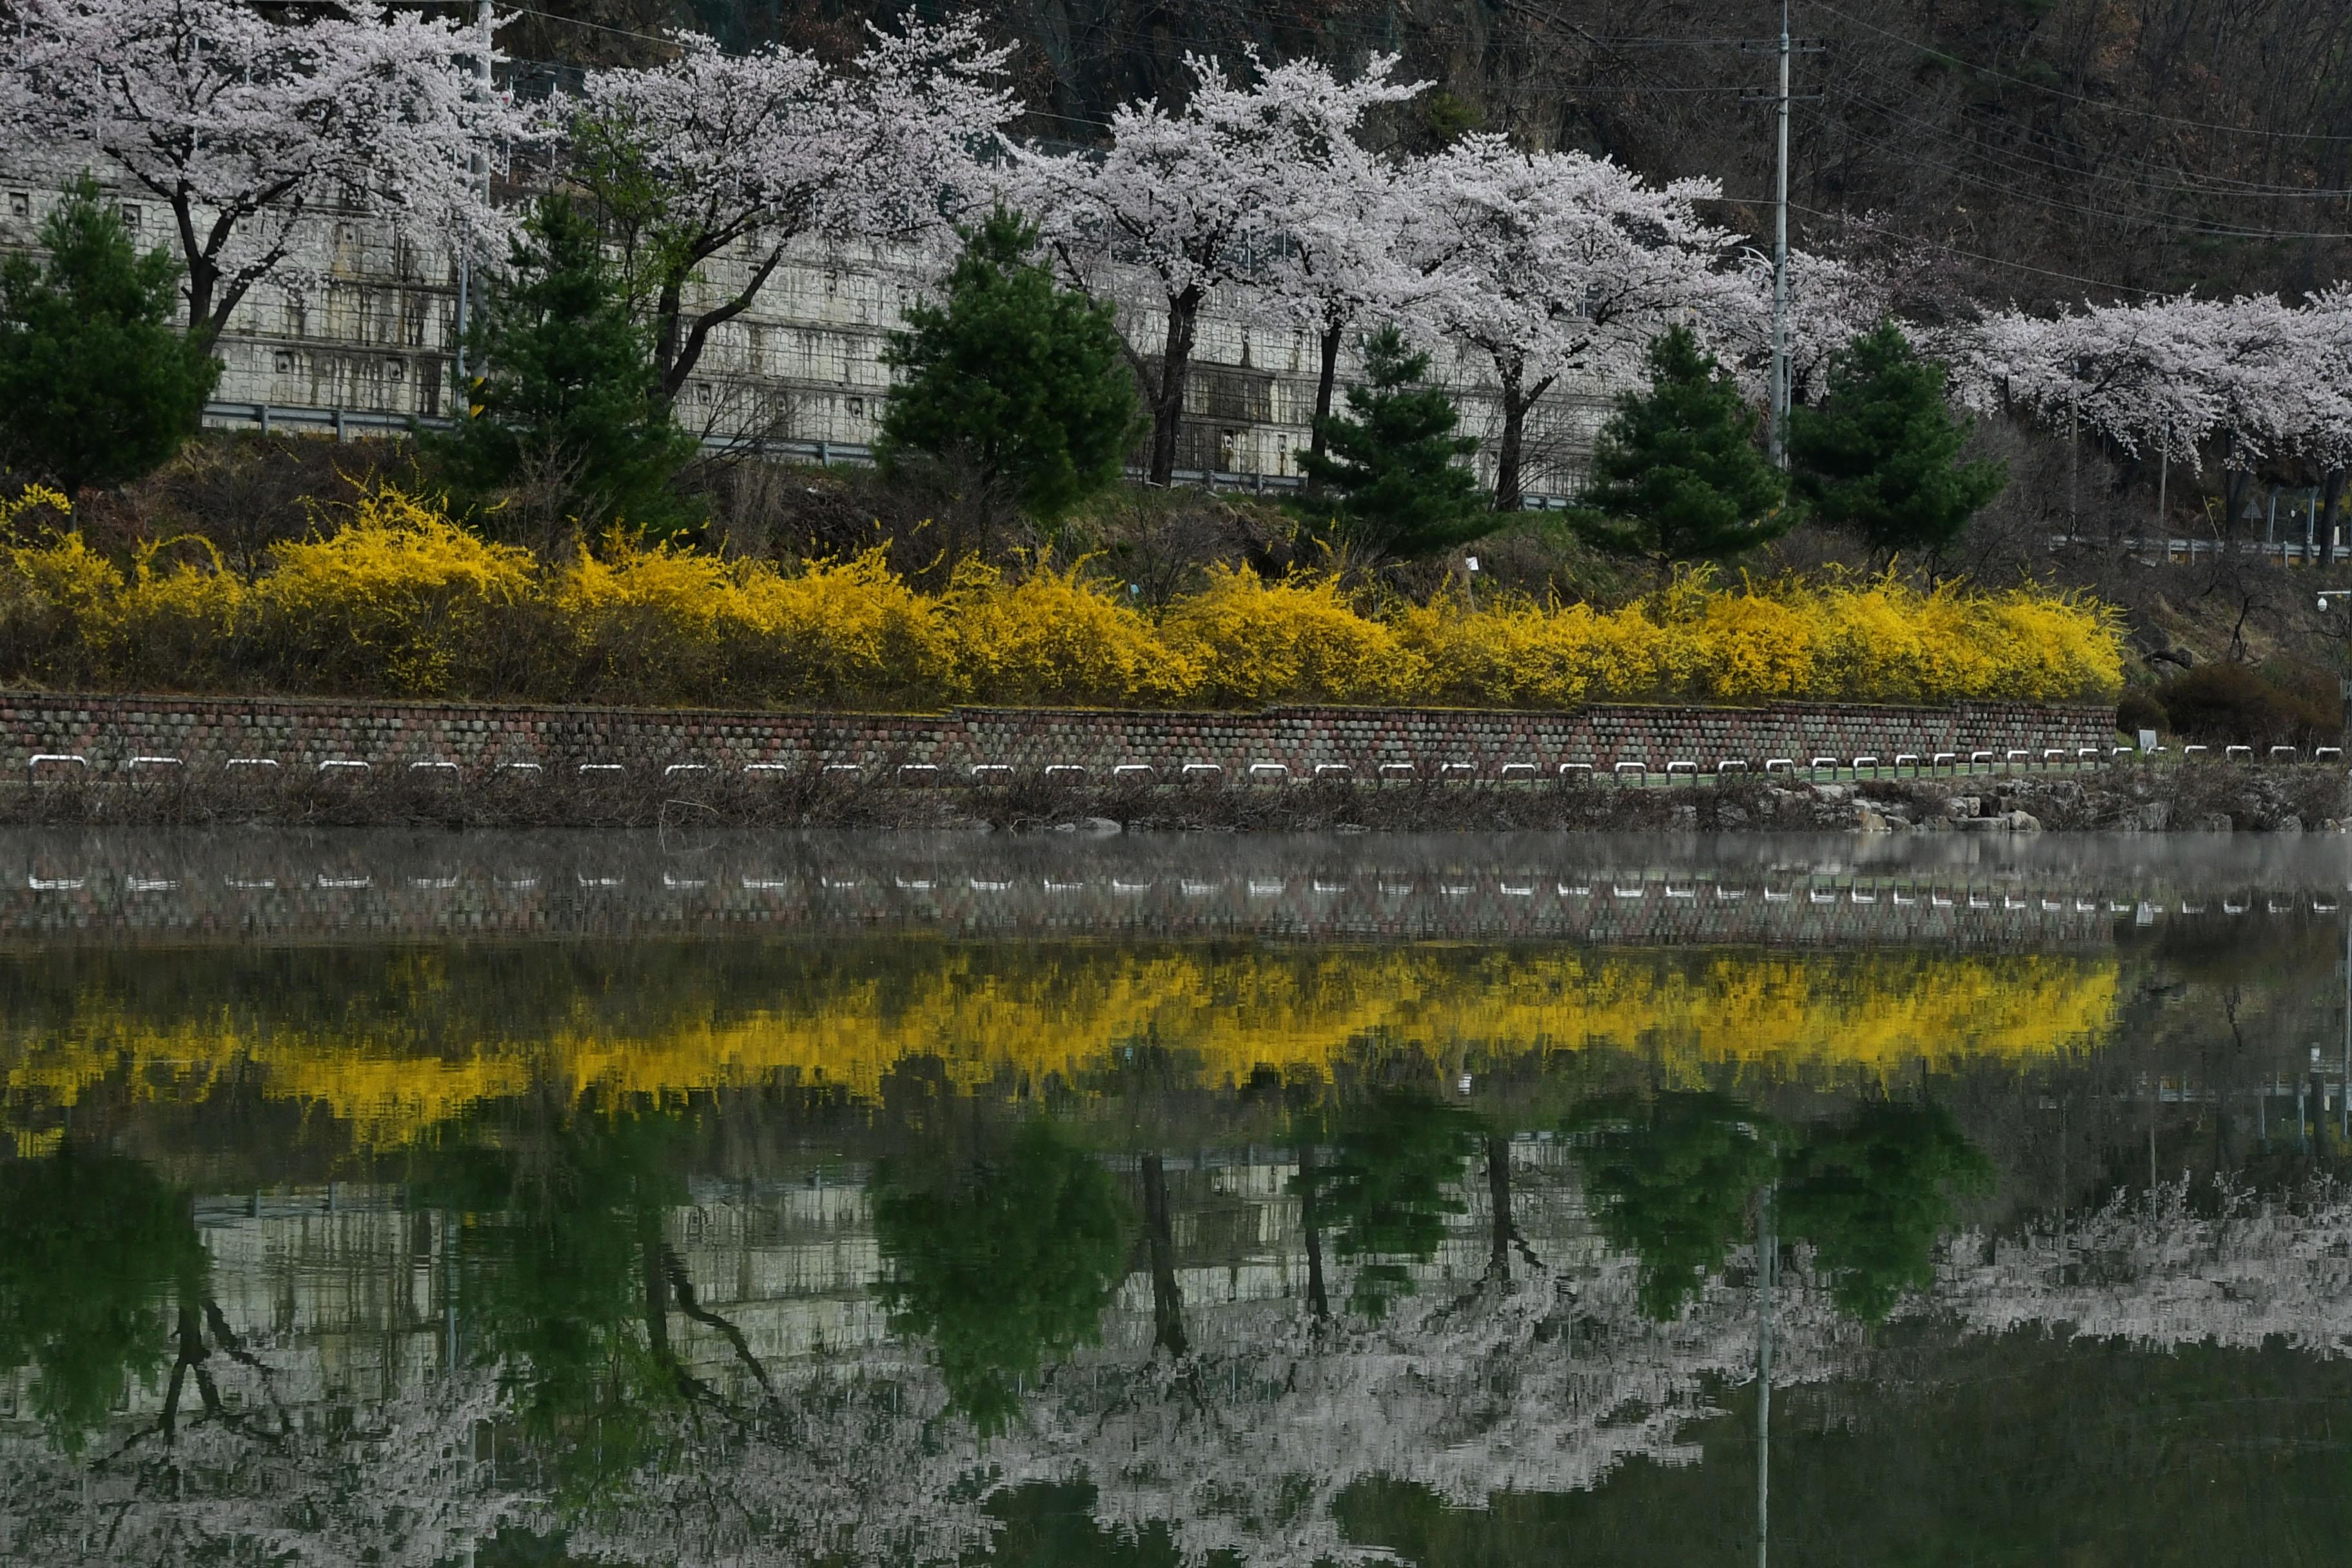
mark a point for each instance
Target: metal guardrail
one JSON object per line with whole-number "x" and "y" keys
{"x": 346, "y": 422}
{"x": 2183, "y": 548}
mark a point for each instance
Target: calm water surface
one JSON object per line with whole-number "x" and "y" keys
{"x": 892, "y": 1199}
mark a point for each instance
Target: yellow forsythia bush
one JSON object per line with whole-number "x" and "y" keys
{"x": 400, "y": 602}
{"x": 1054, "y": 638}
{"x": 1254, "y": 642}
{"x": 668, "y": 624}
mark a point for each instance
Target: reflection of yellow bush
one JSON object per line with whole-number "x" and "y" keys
{"x": 400, "y": 602}
{"x": 1077, "y": 1010}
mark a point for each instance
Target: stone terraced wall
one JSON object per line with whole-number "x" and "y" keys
{"x": 108, "y": 732}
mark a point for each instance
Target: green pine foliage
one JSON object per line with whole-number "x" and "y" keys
{"x": 568, "y": 399}
{"x": 99, "y": 387}
{"x": 1880, "y": 457}
{"x": 1391, "y": 460}
{"x": 1026, "y": 382}
{"x": 1007, "y": 1267}
{"x": 1673, "y": 1180}
{"x": 1389, "y": 1189}
{"x": 1873, "y": 1194}
{"x": 1677, "y": 474}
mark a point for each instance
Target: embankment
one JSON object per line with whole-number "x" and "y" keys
{"x": 67, "y": 758}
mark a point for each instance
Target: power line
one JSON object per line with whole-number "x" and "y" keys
{"x": 2157, "y": 172}
{"x": 2148, "y": 216}
{"x": 2075, "y": 97}
{"x": 1978, "y": 255}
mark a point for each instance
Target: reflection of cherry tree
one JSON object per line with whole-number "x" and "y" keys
{"x": 388, "y": 1482}
{"x": 1462, "y": 1388}
{"x": 2233, "y": 1267}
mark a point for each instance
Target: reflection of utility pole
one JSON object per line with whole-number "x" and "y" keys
{"x": 1767, "y": 1268}
{"x": 448, "y": 1293}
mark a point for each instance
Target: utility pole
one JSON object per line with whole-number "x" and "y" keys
{"x": 477, "y": 166}
{"x": 1780, "y": 439}
{"x": 1777, "y": 428}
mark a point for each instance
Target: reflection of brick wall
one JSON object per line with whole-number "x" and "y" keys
{"x": 207, "y": 732}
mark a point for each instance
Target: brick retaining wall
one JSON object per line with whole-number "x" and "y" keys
{"x": 207, "y": 733}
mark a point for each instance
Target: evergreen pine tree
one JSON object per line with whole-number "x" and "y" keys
{"x": 1027, "y": 381}
{"x": 1390, "y": 459}
{"x": 1677, "y": 474}
{"x": 1880, "y": 457}
{"x": 98, "y": 385}
{"x": 567, "y": 398}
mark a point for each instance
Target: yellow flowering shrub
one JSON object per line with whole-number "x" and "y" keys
{"x": 844, "y": 634}
{"x": 2045, "y": 649}
{"x": 178, "y": 626}
{"x": 652, "y": 621}
{"x": 1296, "y": 640}
{"x": 666, "y": 624}
{"x": 1747, "y": 648}
{"x": 1053, "y": 637}
{"x": 1517, "y": 654}
{"x": 399, "y": 599}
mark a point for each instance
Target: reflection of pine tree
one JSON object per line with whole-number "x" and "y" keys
{"x": 1671, "y": 1179}
{"x": 90, "y": 1247}
{"x": 1004, "y": 1266}
{"x": 1872, "y": 1194}
{"x": 1388, "y": 1188}
{"x": 570, "y": 1282}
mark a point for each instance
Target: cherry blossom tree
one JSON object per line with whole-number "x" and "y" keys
{"x": 2170, "y": 375}
{"x": 1555, "y": 263}
{"x": 2323, "y": 343}
{"x": 244, "y": 123}
{"x": 710, "y": 150}
{"x": 1338, "y": 262}
{"x": 1199, "y": 198}
{"x": 1832, "y": 301}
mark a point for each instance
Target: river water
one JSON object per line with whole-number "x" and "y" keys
{"x": 1155, "y": 1200}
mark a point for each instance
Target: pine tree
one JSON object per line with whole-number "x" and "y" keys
{"x": 99, "y": 386}
{"x": 1026, "y": 382}
{"x": 1676, "y": 475}
{"x": 1880, "y": 457}
{"x": 1391, "y": 459}
{"x": 568, "y": 400}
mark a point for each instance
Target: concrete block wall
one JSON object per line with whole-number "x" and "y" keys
{"x": 108, "y": 732}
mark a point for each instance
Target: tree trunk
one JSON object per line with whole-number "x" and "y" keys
{"x": 650, "y": 1248}
{"x": 1327, "y": 378}
{"x": 1168, "y": 398}
{"x": 1499, "y": 1196}
{"x": 1159, "y": 1238}
{"x": 1507, "y": 450}
{"x": 1319, "y": 1299}
{"x": 204, "y": 274}
{"x": 2235, "y": 482}
{"x": 2331, "y": 492}
{"x": 668, "y": 335}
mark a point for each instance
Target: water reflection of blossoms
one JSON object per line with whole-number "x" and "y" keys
{"x": 1462, "y": 1308}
